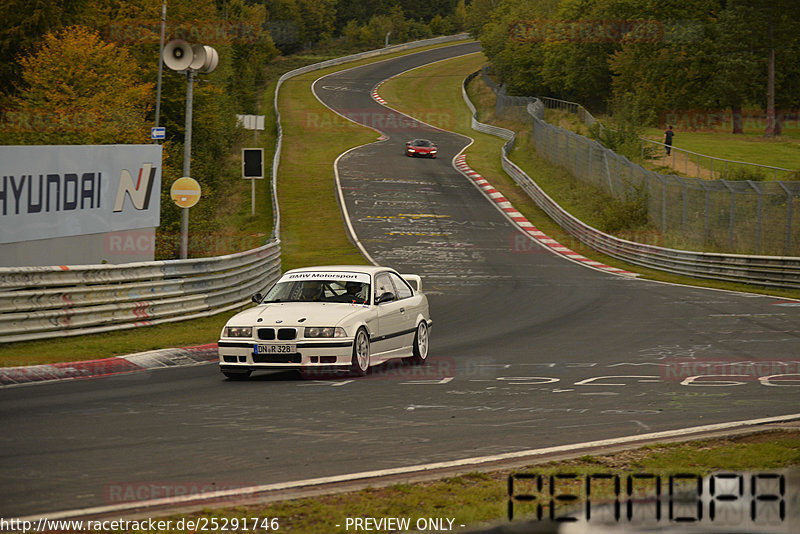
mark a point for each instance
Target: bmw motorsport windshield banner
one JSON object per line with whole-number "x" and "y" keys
{"x": 339, "y": 276}
{"x": 59, "y": 191}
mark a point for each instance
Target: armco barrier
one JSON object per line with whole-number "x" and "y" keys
{"x": 44, "y": 302}
{"x": 772, "y": 271}
{"x": 48, "y": 302}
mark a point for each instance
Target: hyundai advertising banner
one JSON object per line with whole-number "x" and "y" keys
{"x": 60, "y": 191}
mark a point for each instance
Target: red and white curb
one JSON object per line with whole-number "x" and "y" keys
{"x": 132, "y": 363}
{"x": 376, "y": 96}
{"x": 520, "y": 220}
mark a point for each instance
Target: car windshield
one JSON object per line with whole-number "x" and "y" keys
{"x": 422, "y": 142}
{"x": 319, "y": 290}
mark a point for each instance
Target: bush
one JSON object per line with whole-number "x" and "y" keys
{"x": 623, "y": 136}
{"x": 744, "y": 172}
{"x": 618, "y": 215}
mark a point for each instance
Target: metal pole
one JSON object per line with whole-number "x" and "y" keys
{"x": 253, "y": 180}
{"x": 187, "y": 161}
{"x": 160, "y": 60}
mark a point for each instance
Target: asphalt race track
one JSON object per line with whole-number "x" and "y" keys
{"x": 529, "y": 350}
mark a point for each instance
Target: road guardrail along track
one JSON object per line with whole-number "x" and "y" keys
{"x": 774, "y": 271}
{"x": 44, "y": 302}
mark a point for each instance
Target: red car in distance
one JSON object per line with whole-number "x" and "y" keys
{"x": 421, "y": 148}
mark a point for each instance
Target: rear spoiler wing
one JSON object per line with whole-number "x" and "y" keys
{"x": 414, "y": 280}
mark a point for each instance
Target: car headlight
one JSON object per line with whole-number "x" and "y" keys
{"x": 239, "y": 331}
{"x": 411, "y": 150}
{"x": 324, "y": 331}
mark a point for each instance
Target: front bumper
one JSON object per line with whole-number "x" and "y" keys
{"x": 417, "y": 154}
{"x": 241, "y": 355}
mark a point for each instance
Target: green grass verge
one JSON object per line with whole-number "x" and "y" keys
{"x": 98, "y": 346}
{"x": 474, "y": 499}
{"x": 436, "y": 90}
{"x": 312, "y": 229}
{"x": 750, "y": 147}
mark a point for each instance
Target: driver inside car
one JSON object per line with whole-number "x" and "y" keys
{"x": 353, "y": 292}
{"x": 312, "y": 291}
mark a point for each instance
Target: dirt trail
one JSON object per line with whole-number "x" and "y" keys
{"x": 681, "y": 162}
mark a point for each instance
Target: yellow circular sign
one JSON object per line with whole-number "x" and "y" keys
{"x": 185, "y": 192}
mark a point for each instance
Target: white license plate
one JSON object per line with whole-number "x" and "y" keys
{"x": 268, "y": 348}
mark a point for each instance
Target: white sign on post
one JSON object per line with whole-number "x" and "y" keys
{"x": 251, "y": 122}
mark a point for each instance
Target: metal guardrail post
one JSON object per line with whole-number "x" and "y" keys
{"x": 685, "y": 205}
{"x": 707, "y": 195}
{"x": 732, "y": 217}
{"x": 758, "y": 218}
{"x": 663, "y": 181}
{"x": 789, "y": 202}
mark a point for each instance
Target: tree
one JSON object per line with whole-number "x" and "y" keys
{"x": 318, "y": 20}
{"x": 459, "y": 17}
{"x": 285, "y": 24}
{"x": 672, "y": 69}
{"x": 78, "y": 89}
{"x": 781, "y": 17}
{"x": 733, "y": 51}
{"x": 754, "y": 58}
{"x": 24, "y": 22}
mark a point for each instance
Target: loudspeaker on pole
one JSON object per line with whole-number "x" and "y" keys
{"x": 212, "y": 59}
{"x": 178, "y": 55}
{"x": 205, "y": 59}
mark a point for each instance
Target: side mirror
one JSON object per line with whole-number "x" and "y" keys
{"x": 257, "y": 298}
{"x": 385, "y": 297}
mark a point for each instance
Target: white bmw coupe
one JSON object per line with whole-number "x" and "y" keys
{"x": 334, "y": 317}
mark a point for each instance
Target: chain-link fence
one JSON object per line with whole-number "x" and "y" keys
{"x": 744, "y": 217}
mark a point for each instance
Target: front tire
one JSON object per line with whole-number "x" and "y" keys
{"x": 421, "y": 344}
{"x": 360, "y": 362}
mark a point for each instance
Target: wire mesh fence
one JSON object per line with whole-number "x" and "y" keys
{"x": 714, "y": 214}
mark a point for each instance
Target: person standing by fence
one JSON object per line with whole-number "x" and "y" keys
{"x": 668, "y": 139}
